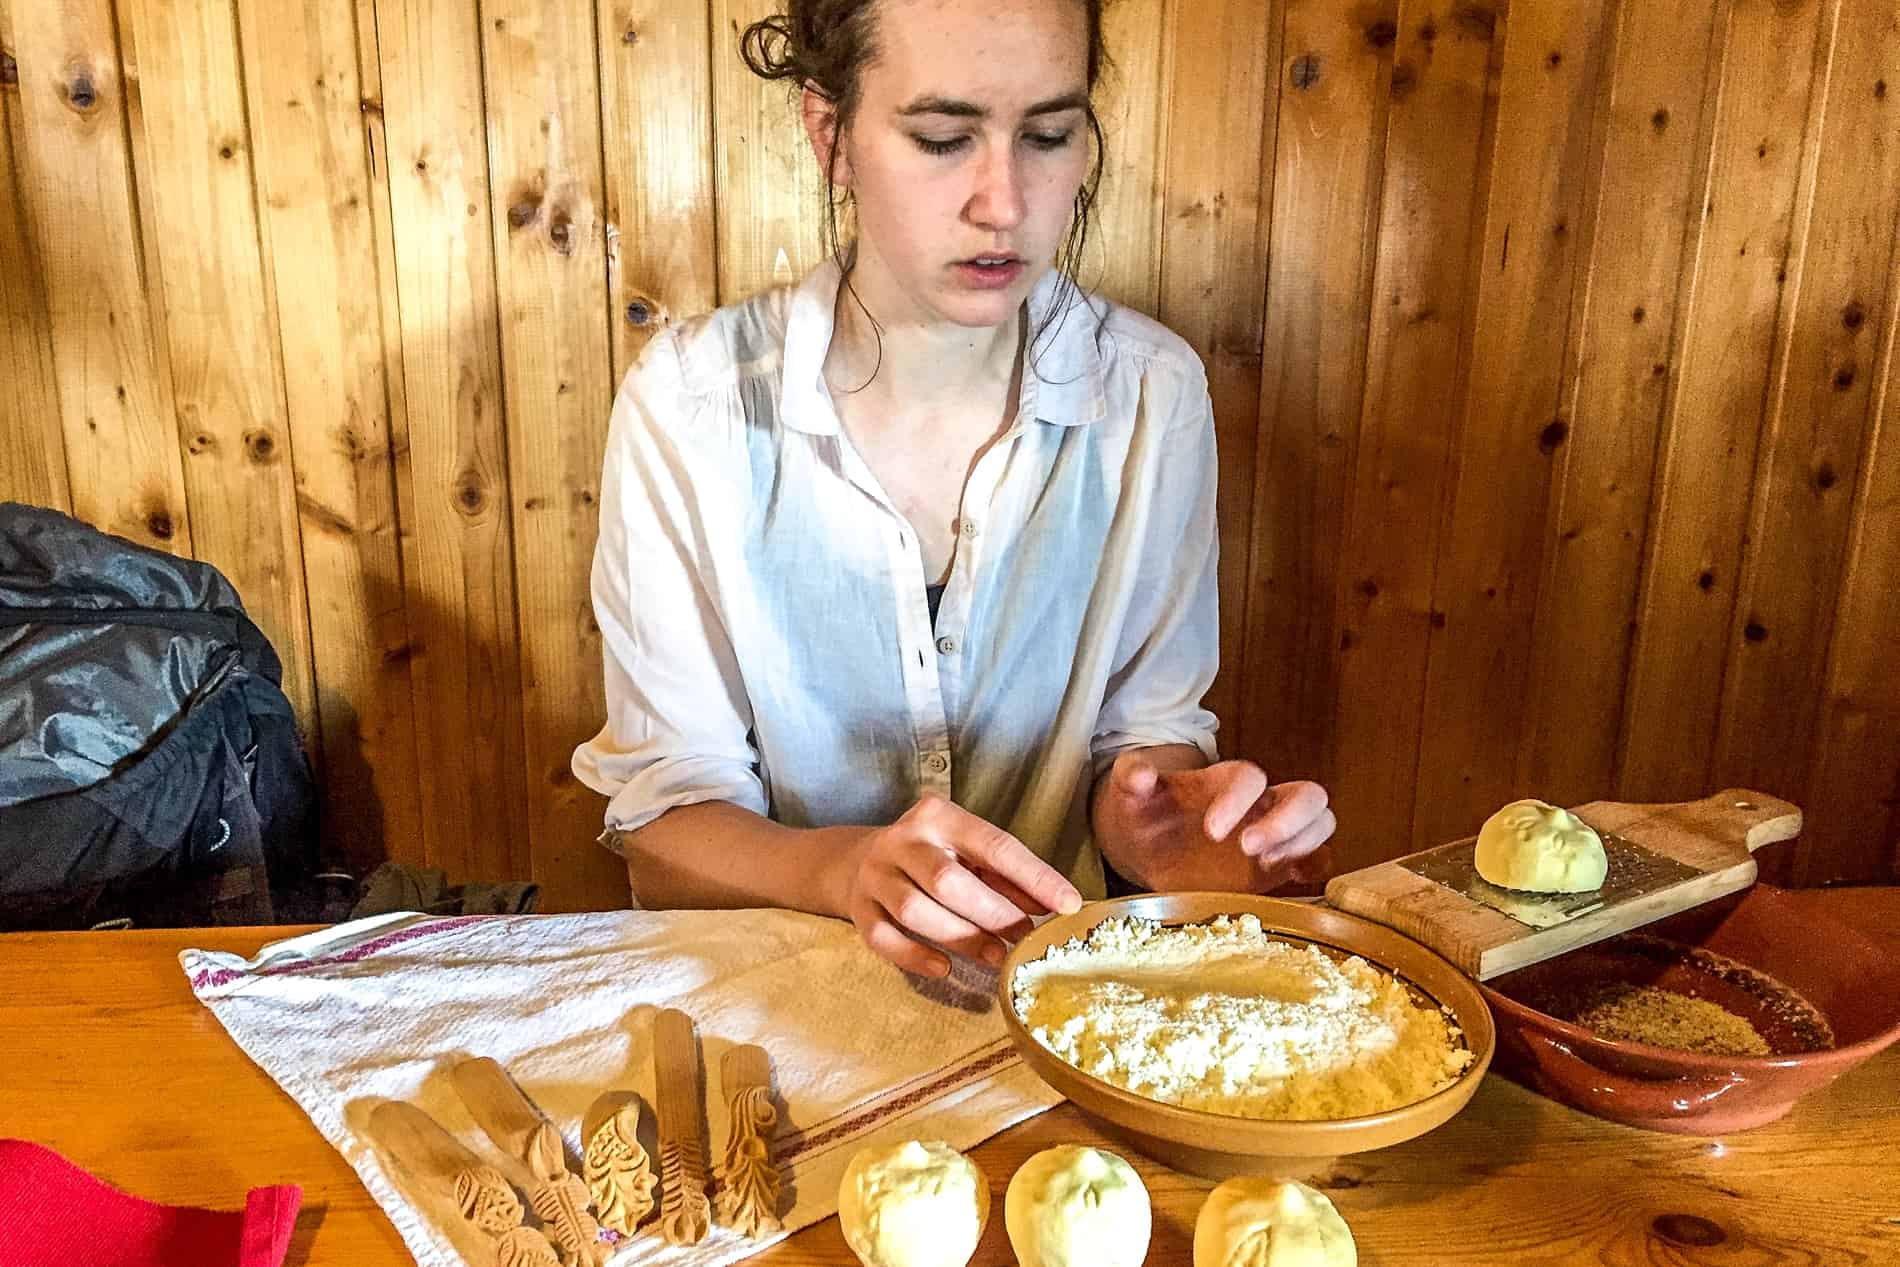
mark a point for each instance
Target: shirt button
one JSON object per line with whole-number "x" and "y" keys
{"x": 967, "y": 528}
{"x": 936, "y": 763}
{"x": 947, "y": 645}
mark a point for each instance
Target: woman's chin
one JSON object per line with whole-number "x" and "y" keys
{"x": 981, "y": 309}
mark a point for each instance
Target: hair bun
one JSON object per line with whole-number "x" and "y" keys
{"x": 770, "y": 50}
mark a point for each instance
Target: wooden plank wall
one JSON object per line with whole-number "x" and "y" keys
{"x": 1552, "y": 347}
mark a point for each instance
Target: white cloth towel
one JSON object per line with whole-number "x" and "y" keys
{"x": 381, "y": 1009}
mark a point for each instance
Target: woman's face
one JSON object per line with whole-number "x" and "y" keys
{"x": 965, "y": 154}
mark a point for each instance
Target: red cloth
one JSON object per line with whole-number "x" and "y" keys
{"x": 53, "y": 1214}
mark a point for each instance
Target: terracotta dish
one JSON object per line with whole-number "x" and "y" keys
{"x": 1216, "y": 1146}
{"x": 1774, "y": 957}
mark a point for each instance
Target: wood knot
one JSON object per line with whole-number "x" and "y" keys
{"x": 159, "y": 524}
{"x": 1754, "y": 631}
{"x": 524, "y": 213}
{"x": 1880, "y": 90}
{"x": 639, "y": 312}
{"x": 260, "y": 445}
{"x": 1553, "y": 436}
{"x": 201, "y": 442}
{"x": 1404, "y": 80}
{"x": 1706, "y": 581}
{"x": 561, "y": 234}
{"x": 9, "y": 69}
{"x": 1368, "y": 587}
{"x": 1658, "y": 369}
{"x": 1382, "y": 34}
{"x": 585, "y": 497}
{"x": 227, "y": 151}
{"x": 1844, "y": 377}
{"x": 1687, "y": 1229}
{"x": 1555, "y": 59}
{"x": 469, "y": 496}
{"x": 1438, "y": 622}
{"x": 80, "y": 92}
{"x": 1639, "y": 314}
{"x": 1659, "y": 120}
{"x": 1853, "y": 315}
{"x": 1427, "y": 31}
{"x": 630, "y": 36}
{"x": 1305, "y": 71}
{"x": 1825, "y": 477}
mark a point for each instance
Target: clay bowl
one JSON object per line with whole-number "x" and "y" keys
{"x": 1767, "y": 944}
{"x": 1216, "y": 1146}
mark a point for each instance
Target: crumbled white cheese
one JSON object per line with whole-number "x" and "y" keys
{"x": 1228, "y": 1018}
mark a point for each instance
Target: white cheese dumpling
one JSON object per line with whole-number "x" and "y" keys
{"x": 1075, "y": 1206}
{"x": 1253, "y": 1221}
{"x": 920, "y": 1203}
{"x": 1541, "y": 849}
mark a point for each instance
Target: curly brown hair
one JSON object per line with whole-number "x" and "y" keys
{"x": 826, "y": 44}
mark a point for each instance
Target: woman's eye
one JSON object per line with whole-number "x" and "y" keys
{"x": 1048, "y": 140}
{"x": 931, "y": 145}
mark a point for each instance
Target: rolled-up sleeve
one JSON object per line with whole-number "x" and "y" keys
{"x": 678, "y": 720}
{"x": 1170, "y": 641}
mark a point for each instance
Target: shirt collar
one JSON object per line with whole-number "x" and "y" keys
{"x": 1062, "y": 381}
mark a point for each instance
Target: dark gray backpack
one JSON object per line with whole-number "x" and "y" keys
{"x": 150, "y": 767}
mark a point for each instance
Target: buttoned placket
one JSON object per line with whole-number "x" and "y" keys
{"x": 918, "y": 655}
{"x": 933, "y": 658}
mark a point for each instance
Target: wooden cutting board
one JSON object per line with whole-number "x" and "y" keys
{"x": 1663, "y": 859}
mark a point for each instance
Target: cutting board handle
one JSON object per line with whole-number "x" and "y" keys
{"x": 1738, "y": 817}
{"x": 1767, "y": 820}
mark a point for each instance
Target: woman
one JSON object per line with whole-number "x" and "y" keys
{"x": 906, "y": 575}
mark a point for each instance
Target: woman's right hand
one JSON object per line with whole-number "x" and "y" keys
{"x": 941, "y": 874}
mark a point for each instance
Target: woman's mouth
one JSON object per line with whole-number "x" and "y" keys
{"x": 990, "y": 272}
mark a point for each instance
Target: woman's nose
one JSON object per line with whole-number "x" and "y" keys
{"x": 997, "y": 201}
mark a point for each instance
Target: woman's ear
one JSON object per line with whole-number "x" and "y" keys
{"x": 820, "y": 115}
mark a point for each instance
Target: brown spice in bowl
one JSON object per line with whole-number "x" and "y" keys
{"x": 1663, "y": 1018}
{"x": 1647, "y": 989}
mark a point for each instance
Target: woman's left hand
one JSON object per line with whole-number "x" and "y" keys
{"x": 1222, "y": 827}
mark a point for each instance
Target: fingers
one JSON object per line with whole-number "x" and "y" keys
{"x": 916, "y": 913}
{"x": 1135, "y": 775}
{"x": 887, "y": 940}
{"x": 1029, "y": 906}
{"x": 1297, "y": 809}
{"x": 973, "y": 840}
{"x": 1276, "y": 872}
{"x": 944, "y": 876}
{"x": 1241, "y": 784}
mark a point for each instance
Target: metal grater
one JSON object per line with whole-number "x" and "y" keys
{"x": 1634, "y": 871}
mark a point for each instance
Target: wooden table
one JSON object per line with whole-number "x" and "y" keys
{"x": 109, "y": 1059}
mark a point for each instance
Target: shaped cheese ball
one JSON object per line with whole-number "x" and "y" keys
{"x": 1541, "y": 848}
{"x": 914, "y": 1204}
{"x": 1074, "y": 1206}
{"x": 1259, "y": 1222}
